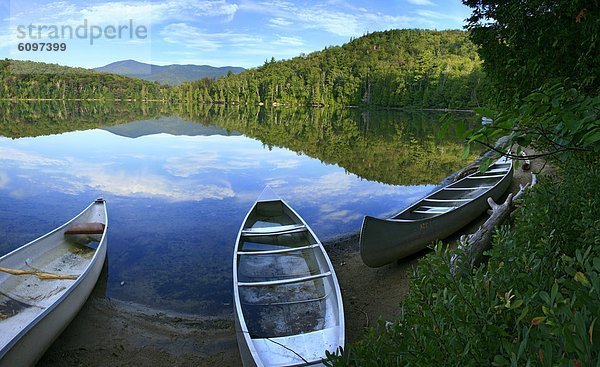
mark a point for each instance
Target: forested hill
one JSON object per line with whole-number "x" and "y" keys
{"x": 37, "y": 80}
{"x": 399, "y": 68}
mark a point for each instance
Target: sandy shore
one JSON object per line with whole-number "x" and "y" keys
{"x": 112, "y": 333}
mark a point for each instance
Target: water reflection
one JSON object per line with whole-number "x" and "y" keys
{"x": 177, "y": 190}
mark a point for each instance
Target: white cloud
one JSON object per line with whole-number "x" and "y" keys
{"x": 345, "y": 21}
{"x": 279, "y": 22}
{"x": 429, "y": 14}
{"x": 118, "y": 12}
{"x": 421, "y": 2}
{"x": 195, "y": 38}
{"x": 192, "y": 37}
{"x": 338, "y": 23}
{"x": 288, "y": 41}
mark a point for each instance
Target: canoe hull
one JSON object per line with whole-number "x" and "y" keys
{"x": 261, "y": 336}
{"x": 33, "y": 341}
{"x": 385, "y": 240}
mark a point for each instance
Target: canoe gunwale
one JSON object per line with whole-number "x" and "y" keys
{"x": 404, "y": 239}
{"x": 74, "y": 285}
{"x": 417, "y": 204}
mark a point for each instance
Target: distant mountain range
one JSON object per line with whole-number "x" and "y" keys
{"x": 168, "y": 74}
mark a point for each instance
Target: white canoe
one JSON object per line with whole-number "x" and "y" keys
{"x": 288, "y": 304}
{"x": 33, "y": 310}
{"x": 434, "y": 217}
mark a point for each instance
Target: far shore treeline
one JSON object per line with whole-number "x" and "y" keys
{"x": 397, "y": 68}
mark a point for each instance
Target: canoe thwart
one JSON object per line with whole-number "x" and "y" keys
{"x": 446, "y": 200}
{"x": 484, "y": 176}
{"x": 284, "y": 281}
{"x": 277, "y": 230}
{"x": 279, "y": 251}
{"x": 85, "y": 228}
{"x": 466, "y": 188}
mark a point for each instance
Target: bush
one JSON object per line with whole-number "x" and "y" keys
{"x": 536, "y": 302}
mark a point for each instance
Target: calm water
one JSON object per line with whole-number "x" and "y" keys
{"x": 177, "y": 190}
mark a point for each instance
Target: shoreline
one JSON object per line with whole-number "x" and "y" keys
{"x": 112, "y": 332}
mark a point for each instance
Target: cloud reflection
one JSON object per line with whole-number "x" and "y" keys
{"x": 4, "y": 179}
{"x": 26, "y": 159}
{"x": 139, "y": 184}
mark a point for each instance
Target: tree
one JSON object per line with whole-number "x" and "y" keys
{"x": 543, "y": 57}
{"x": 526, "y": 44}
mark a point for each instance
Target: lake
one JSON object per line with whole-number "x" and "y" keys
{"x": 179, "y": 181}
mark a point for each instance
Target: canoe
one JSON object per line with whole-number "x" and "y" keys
{"x": 434, "y": 217}
{"x": 288, "y": 304}
{"x": 44, "y": 283}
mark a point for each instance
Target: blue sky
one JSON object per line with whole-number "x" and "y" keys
{"x": 205, "y": 32}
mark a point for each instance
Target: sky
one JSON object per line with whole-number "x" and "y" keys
{"x": 242, "y": 33}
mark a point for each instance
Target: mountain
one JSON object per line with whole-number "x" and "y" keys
{"x": 168, "y": 74}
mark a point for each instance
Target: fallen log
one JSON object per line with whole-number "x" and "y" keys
{"x": 477, "y": 243}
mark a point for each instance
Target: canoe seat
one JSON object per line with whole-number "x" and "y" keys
{"x": 484, "y": 176}
{"x": 446, "y": 200}
{"x": 271, "y": 231}
{"x": 467, "y": 188}
{"x": 85, "y": 228}
{"x": 433, "y": 209}
{"x": 279, "y": 251}
{"x": 498, "y": 170}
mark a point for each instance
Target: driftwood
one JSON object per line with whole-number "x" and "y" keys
{"x": 477, "y": 243}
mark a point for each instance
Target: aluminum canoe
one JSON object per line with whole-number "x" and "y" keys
{"x": 288, "y": 304}
{"x": 434, "y": 217}
{"x": 44, "y": 283}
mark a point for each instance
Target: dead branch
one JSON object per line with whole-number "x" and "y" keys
{"x": 477, "y": 243}
{"x": 40, "y": 274}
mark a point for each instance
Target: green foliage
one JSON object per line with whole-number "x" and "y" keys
{"x": 399, "y": 68}
{"x": 553, "y": 120}
{"x": 529, "y": 43}
{"x": 543, "y": 57}
{"x": 36, "y": 80}
{"x": 537, "y": 301}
